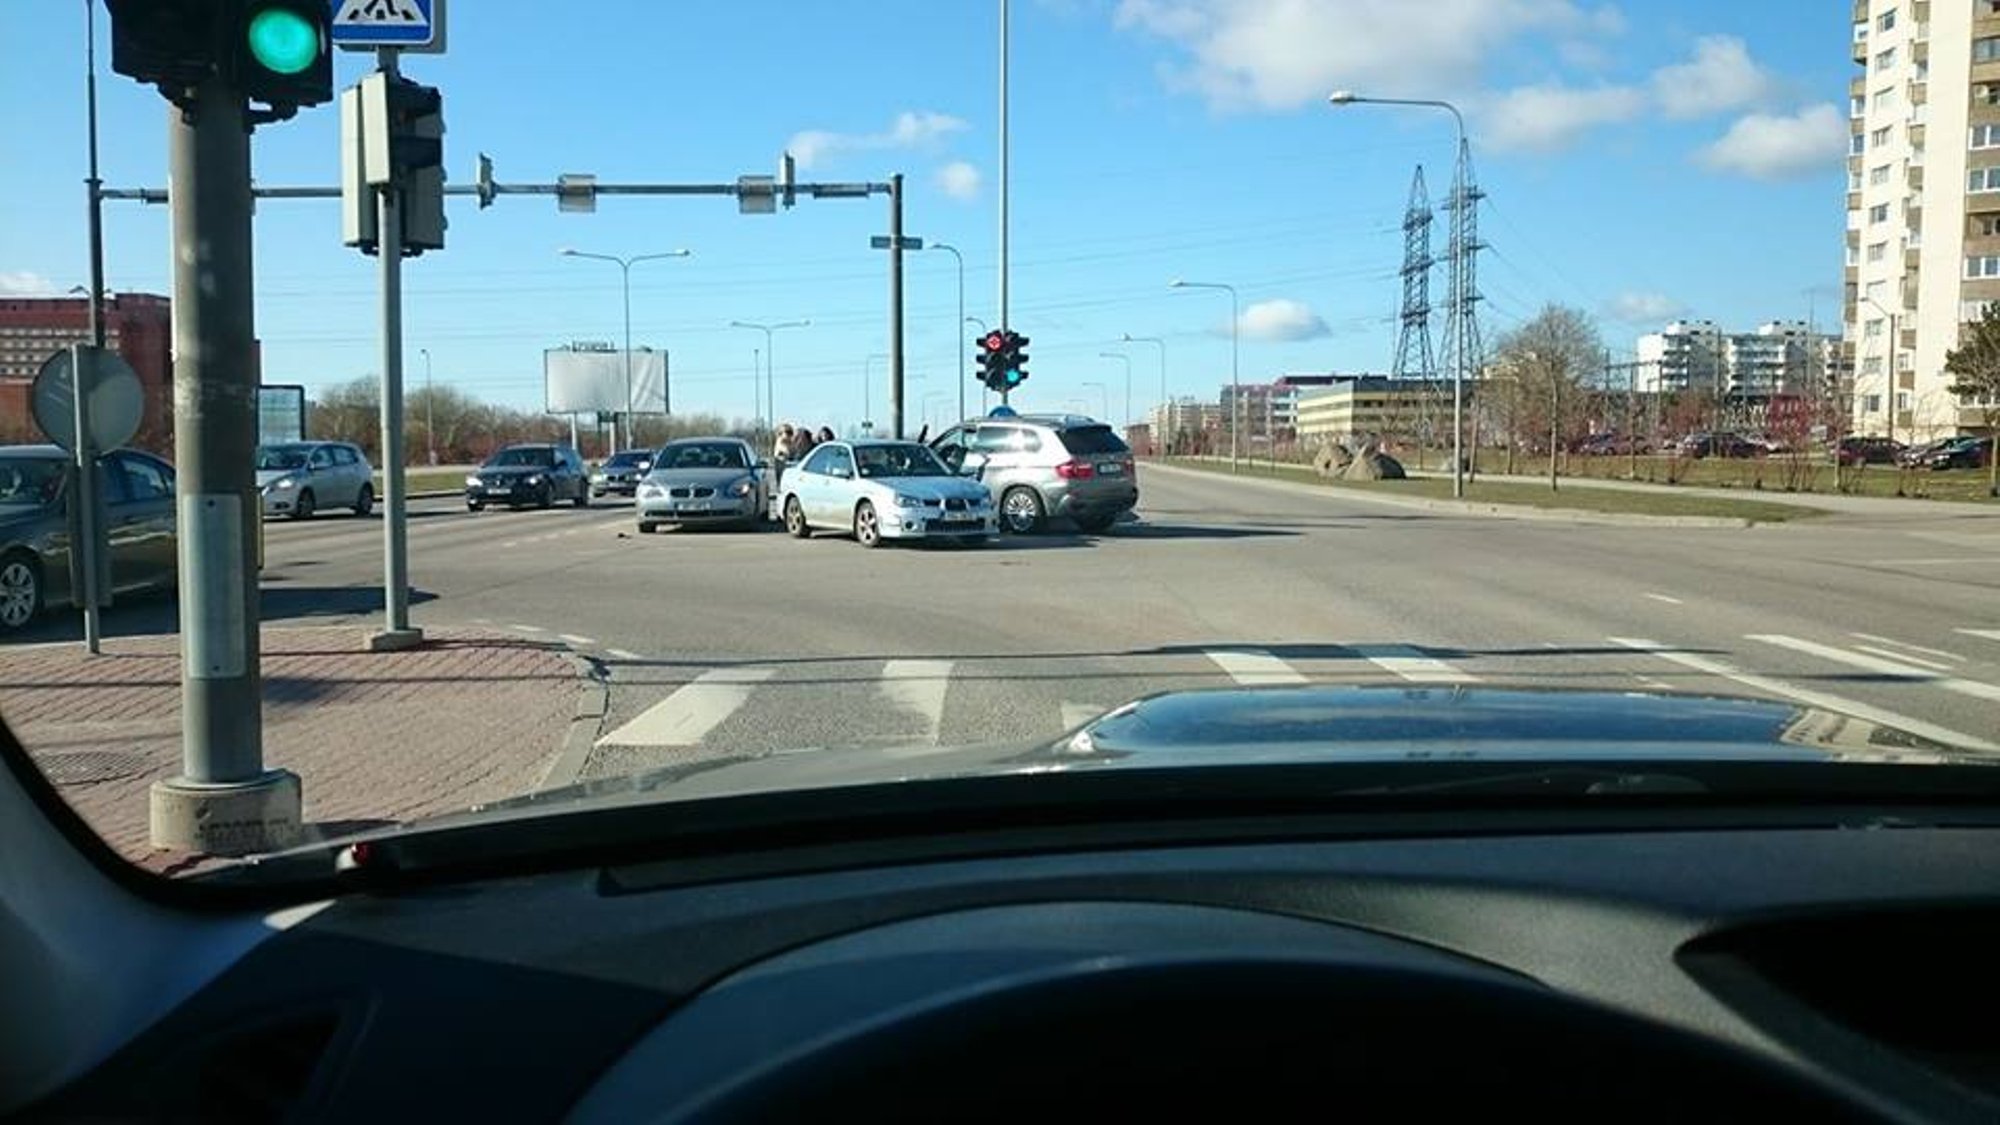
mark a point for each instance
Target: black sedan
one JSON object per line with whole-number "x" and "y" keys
{"x": 621, "y": 472}
{"x": 522, "y": 476}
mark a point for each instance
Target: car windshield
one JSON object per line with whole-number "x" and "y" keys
{"x": 27, "y": 482}
{"x": 524, "y": 456}
{"x": 708, "y": 419}
{"x": 702, "y": 455}
{"x": 898, "y": 461}
{"x": 281, "y": 458}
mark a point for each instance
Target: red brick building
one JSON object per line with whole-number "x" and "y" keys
{"x": 139, "y": 326}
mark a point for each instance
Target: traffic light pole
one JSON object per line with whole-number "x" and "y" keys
{"x": 896, "y": 305}
{"x": 223, "y": 802}
{"x": 397, "y": 633}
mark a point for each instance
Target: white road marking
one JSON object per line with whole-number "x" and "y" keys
{"x": 1254, "y": 668}
{"x": 1894, "y": 643}
{"x": 621, "y": 654}
{"x": 1986, "y": 634}
{"x": 1904, "y": 656}
{"x": 580, "y": 642}
{"x": 1877, "y": 664}
{"x": 510, "y": 543}
{"x": 1075, "y": 715}
{"x": 1665, "y": 598}
{"x": 695, "y": 708}
{"x": 1977, "y": 560}
{"x": 528, "y": 628}
{"x": 1412, "y": 665}
{"x": 1656, "y": 685}
{"x": 918, "y": 685}
{"x": 1811, "y": 698}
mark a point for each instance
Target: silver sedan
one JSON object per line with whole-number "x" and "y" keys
{"x": 880, "y": 490}
{"x": 702, "y": 481}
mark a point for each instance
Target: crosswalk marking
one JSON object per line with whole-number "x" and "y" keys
{"x": 1670, "y": 600}
{"x": 918, "y": 685}
{"x": 621, "y": 654}
{"x": 1877, "y": 664}
{"x": 528, "y": 628}
{"x": 1985, "y": 634}
{"x": 695, "y": 708}
{"x": 1934, "y": 665}
{"x": 1413, "y": 665}
{"x": 1807, "y": 696}
{"x": 1894, "y": 643}
{"x": 1253, "y": 669}
{"x": 580, "y": 642}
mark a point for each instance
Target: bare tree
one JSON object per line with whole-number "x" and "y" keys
{"x": 1547, "y": 358}
{"x": 1975, "y": 364}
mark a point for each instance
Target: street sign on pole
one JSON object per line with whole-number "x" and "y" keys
{"x": 757, "y": 195}
{"x": 576, "y": 191}
{"x": 115, "y": 405}
{"x": 414, "y": 25}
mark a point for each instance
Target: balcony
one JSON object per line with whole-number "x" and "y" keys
{"x": 1857, "y": 87}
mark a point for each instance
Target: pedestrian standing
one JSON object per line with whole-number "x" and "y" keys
{"x": 825, "y": 435}
{"x": 802, "y": 442}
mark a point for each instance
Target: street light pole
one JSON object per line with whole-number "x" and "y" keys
{"x": 961, "y": 317}
{"x": 1162, "y": 345}
{"x": 1235, "y": 374}
{"x": 1888, "y": 399}
{"x": 1462, "y": 265}
{"x": 770, "y": 359}
{"x": 1103, "y": 396}
{"x": 625, "y": 277}
{"x": 1128, "y": 380}
{"x": 430, "y": 410}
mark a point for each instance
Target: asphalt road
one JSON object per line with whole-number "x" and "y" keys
{"x": 722, "y": 643}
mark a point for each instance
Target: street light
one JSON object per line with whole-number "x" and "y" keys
{"x": 1162, "y": 345}
{"x": 430, "y": 404}
{"x": 1103, "y": 397}
{"x": 1235, "y": 334}
{"x": 625, "y": 274}
{"x": 1342, "y": 98}
{"x": 961, "y": 316}
{"x": 1128, "y": 380}
{"x": 770, "y": 361}
{"x": 1889, "y": 399}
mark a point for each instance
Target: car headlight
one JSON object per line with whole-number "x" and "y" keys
{"x": 648, "y": 488}
{"x": 597, "y": 478}
{"x": 743, "y": 487}
{"x": 982, "y": 501}
{"x": 283, "y": 483}
{"x": 472, "y": 482}
{"x": 903, "y": 501}
{"x": 534, "y": 478}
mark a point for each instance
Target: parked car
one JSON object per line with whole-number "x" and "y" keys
{"x": 1867, "y": 450}
{"x": 1917, "y": 456}
{"x": 524, "y": 475}
{"x": 621, "y": 472}
{"x": 1604, "y": 445}
{"x": 703, "y": 480}
{"x": 1046, "y": 466}
{"x": 138, "y": 494}
{"x": 880, "y": 490}
{"x": 1960, "y": 453}
{"x": 1716, "y": 445}
{"x": 301, "y": 478}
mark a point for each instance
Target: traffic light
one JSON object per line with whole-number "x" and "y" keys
{"x": 992, "y": 346}
{"x": 281, "y": 51}
{"x": 168, "y": 43}
{"x": 392, "y": 132}
{"x": 1014, "y": 370}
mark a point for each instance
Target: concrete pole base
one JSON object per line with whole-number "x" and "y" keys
{"x": 395, "y": 640}
{"x": 233, "y": 818}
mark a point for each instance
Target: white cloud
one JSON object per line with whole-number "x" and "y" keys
{"x": 1720, "y": 77}
{"x": 1546, "y": 117}
{"x": 1643, "y": 308}
{"x": 911, "y": 129}
{"x": 1280, "y": 54}
{"x": 1281, "y": 320}
{"x": 1767, "y": 146}
{"x": 959, "y": 180}
{"x": 24, "y": 283}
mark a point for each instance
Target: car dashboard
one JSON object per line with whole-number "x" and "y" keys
{"x": 1832, "y": 967}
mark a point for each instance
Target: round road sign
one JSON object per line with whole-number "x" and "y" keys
{"x": 116, "y": 401}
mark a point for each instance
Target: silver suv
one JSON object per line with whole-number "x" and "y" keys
{"x": 1045, "y": 466}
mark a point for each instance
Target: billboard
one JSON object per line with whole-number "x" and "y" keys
{"x": 281, "y": 414}
{"x": 593, "y": 381}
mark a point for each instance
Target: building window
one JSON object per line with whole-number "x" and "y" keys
{"x": 1983, "y": 179}
{"x": 1856, "y": 106}
{"x": 1879, "y": 137}
{"x": 1872, "y": 365}
{"x": 1986, "y": 50}
{"x": 1871, "y": 404}
{"x": 1985, "y": 226}
{"x": 1885, "y": 98}
{"x": 1986, "y": 136}
{"x": 1887, "y": 20}
{"x": 1885, "y": 59}
{"x": 1876, "y": 289}
{"x": 1879, "y": 175}
{"x": 1854, "y": 179}
{"x": 1872, "y": 329}
{"x": 1879, "y": 213}
{"x": 1855, "y": 144}
{"x": 1982, "y": 265}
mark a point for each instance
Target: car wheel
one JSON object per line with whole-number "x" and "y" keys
{"x": 1021, "y": 510}
{"x": 546, "y": 497}
{"x": 364, "y": 502}
{"x": 795, "y": 518}
{"x": 867, "y": 525}
{"x": 648, "y": 527}
{"x": 1097, "y": 523}
{"x": 20, "y": 590}
{"x": 474, "y": 506}
{"x": 583, "y": 498}
{"x": 302, "y": 508}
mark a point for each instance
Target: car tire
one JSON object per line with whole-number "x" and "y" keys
{"x": 1021, "y": 511}
{"x": 583, "y": 498}
{"x": 303, "y": 507}
{"x": 20, "y": 590}
{"x": 648, "y": 527}
{"x": 546, "y": 498}
{"x": 1097, "y": 523}
{"x": 867, "y": 525}
{"x": 364, "y": 501}
{"x": 474, "y": 506}
{"x": 795, "y": 519}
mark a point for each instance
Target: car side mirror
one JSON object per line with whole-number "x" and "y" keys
{"x": 973, "y": 465}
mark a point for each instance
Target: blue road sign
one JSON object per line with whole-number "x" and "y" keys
{"x": 1002, "y": 412}
{"x": 385, "y": 23}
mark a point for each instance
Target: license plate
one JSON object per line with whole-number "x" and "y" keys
{"x": 695, "y": 506}
{"x": 958, "y": 521}
{"x": 1111, "y": 468}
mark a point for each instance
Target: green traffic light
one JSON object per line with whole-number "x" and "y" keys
{"x": 283, "y": 41}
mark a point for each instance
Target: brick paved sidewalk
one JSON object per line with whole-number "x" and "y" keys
{"x": 471, "y": 716}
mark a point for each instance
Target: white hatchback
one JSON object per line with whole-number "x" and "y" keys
{"x": 878, "y": 490}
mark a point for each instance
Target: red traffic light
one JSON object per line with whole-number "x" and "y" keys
{"x": 994, "y": 341}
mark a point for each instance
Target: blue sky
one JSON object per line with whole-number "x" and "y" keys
{"x": 1641, "y": 160}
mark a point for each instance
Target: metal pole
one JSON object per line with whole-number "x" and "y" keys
{"x": 1235, "y": 380}
{"x": 396, "y": 631}
{"x": 87, "y": 479}
{"x": 215, "y": 444}
{"x": 896, "y": 305}
{"x": 90, "y": 536}
{"x": 625, "y": 281}
{"x": 756, "y": 395}
{"x": 962, "y": 375}
{"x": 1003, "y": 168}
{"x": 430, "y": 410}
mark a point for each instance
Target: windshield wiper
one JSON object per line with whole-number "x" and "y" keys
{"x": 1561, "y": 781}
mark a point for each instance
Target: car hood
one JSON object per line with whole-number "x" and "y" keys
{"x": 931, "y": 488}
{"x": 498, "y": 472}
{"x": 695, "y": 478}
{"x": 266, "y": 476}
{"x": 1306, "y": 726}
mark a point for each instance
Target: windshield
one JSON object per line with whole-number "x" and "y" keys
{"x": 898, "y": 461}
{"x": 530, "y": 455}
{"x": 1507, "y": 360}
{"x": 29, "y": 482}
{"x": 702, "y": 455}
{"x": 282, "y": 458}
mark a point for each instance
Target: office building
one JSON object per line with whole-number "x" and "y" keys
{"x": 138, "y": 326}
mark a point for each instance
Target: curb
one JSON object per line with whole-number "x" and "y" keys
{"x": 592, "y": 704}
{"x": 1494, "y": 511}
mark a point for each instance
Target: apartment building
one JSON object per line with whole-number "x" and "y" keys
{"x": 138, "y": 326}
{"x": 1923, "y": 205}
{"x": 1359, "y": 407}
{"x": 1778, "y": 357}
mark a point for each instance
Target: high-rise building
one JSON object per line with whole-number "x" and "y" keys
{"x": 1778, "y": 357}
{"x": 138, "y": 326}
{"x": 1923, "y": 204}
